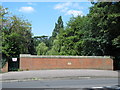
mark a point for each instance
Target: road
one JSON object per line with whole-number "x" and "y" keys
{"x": 63, "y": 83}
{"x": 64, "y": 78}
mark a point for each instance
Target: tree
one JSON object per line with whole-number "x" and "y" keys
{"x": 16, "y": 35}
{"x": 3, "y": 12}
{"x": 39, "y": 39}
{"x": 58, "y": 26}
{"x": 54, "y": 48}
{"x": 104, "y": 18}
{"x": 17, "y": 28}
{"x": 72, "y": 36}
{"x": 95, "y": 34}
{"x": 32, "y": 47}
{"x": 56, "y": 31}
{"x": 41, "y": 49}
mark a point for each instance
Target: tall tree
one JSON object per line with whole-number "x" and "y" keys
{"x": 58, "y": 27}
{"x": 53, "y": 40}
{"x": 16, "y": 35}
{"x": 71, "y": 37}
{"x": 21, "y": 29}
{"x": 3, "y": 20}
{"x": 104, "y": 18}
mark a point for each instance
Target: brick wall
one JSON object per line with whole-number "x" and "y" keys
{"x": 5, "y": 68}
{"x": 32, "y": 62}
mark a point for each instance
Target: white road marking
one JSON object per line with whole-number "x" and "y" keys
{"x": 97, "y": 87}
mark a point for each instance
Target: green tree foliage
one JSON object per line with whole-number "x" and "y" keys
{"x": 95, "y": 34}
{"x": 104, "y": 18}
{"x": 16, "y": 35}
{"x": 41, "y": 49}
{"x": 3, "y": 12}
{"x": 32, "y": 47}
{"x": 70, "y": 39}
{"x": 39, "y": 39}
{"x": 54, "y": 45}
{"x": 72, "y": 36}
{"x": 55, "y": 50}
{"x": 58, "y": 26}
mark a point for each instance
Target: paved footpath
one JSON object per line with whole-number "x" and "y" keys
{"x": 62, "y": 73}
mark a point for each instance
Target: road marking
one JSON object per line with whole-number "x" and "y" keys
{"x": 84, "y": 77}
{"x": 97, "y": 87}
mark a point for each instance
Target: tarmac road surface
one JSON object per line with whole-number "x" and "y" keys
{"x": 63, "y": 78}
{"x": 63, "y": 83}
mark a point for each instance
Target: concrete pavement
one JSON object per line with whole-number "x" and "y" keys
{"x": 62, "y": 73}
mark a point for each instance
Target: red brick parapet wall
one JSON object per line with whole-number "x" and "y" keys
{"x": 5, "y": 68}
{"x": 34, "y": 62}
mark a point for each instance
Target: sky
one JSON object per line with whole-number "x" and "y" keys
{"x": 43, "y": 15}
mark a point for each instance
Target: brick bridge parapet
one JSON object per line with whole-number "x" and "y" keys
{"x": 35, "y": 62}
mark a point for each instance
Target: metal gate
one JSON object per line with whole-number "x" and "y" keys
{"x": 13, "y": 64}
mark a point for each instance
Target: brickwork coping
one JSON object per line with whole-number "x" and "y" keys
{"x": 59, "y": 56}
